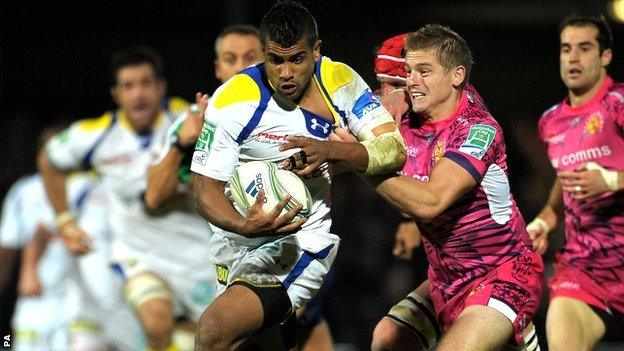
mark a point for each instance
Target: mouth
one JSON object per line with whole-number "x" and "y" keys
{"x": 417, "y": 95}
{"x": 574, "y": 72}
{"x": 288, "y": 89}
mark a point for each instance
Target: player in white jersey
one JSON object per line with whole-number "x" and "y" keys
{"x": 270, "y": 267}
{"x": 41, "y": 318}
{"x": 161, "y": 256}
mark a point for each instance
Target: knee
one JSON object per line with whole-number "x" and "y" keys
{"x": 210, "y": 334}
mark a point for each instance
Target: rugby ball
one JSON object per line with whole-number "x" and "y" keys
{"x": 250, "y": 177}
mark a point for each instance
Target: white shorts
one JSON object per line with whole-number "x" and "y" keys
{"x": 193, "y": 286}
{"x": 41, "y": 323}
{"x": 298, "y": 261}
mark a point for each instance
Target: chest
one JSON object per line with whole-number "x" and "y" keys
{"x": 275, "y": 125}
{"x": 573, "y": 140}
{"x": 424, "y": 149}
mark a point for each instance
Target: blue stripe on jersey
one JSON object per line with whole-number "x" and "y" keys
{"x": 464, "y": 163}
{"x": 255, "y": 72}
{"x": 317, "y": 73}
{"x": 116, "y": 267}
{"x": 82, "y": 196}
{"x": 86, "y": 162}
{"x": 304, "y": 262}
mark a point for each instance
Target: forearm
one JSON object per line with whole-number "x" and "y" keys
{"x": 352, "y": 156}
{"x": 31, "y": 254}
{"x": 409, "y": 196}
{"x": 162, "y": 179}
{"x": 54, "y": 182}
{"x": 214, "y": 206}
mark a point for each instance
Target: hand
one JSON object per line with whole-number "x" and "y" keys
{"x": 313, "y": 153}
{"x": 191, "y": 127}
{"x": 342, "y": 135}
{"x": 583, "y": 183}
{"x": 260, "y": 223}
{"x": 28, "y": 284}
{"x": 407, "y": 238}
{"x": 76, "y": 240}
{"x": 538, "y": 231}
{"x": 397, "y": 103}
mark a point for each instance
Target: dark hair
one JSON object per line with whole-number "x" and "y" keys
{"x": 450, "y": 48}
{"x": 286, "y": 23}
{"x": 136, "y": 56}
{"x": 241, "y": 29}
{"x": 604, "y": 38}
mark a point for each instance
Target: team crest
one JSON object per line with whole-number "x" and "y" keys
{"x": 594, "y": 124}
{"x": 439, "y": 150}
{"x": 204, "y": 143}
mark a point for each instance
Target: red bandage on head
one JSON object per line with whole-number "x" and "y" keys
{"x": 390, "y": 62}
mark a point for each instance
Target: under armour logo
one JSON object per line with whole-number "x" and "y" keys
{"x": 315, "y": 123}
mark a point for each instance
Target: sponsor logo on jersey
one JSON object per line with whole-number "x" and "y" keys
{"x": 206, "y": 136}
{"x": 200, "y": 157}
{"x": 318, "y": 127}
{"x": 581, "y": 156}
{"x": 594, "y": 124}
{"x": 365, "y": 103}
{"x": 270, "y": 137}
{"x": 480, "y": 137}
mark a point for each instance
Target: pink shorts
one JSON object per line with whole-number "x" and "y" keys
{"x": 514, "y": 289}
{"x": 575, "y": 283}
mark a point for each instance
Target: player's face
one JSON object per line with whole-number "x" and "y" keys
{"x": 388, "y": 84}
{"x": 430, "y": 85}
{"x": 236, "y": 52}
{"x": 581, "y": 64}
{"x": 290, "y": 69}
{"x": 139, "y": 93}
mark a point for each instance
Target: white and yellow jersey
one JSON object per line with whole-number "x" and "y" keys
{"x": 121, "y": 157}
{"x": 245, "y": 121}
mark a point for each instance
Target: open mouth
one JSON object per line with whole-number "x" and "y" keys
{"x": 574, "y": 72}
{"x": 288, "y": 89}
{"x": 417, "y": 95}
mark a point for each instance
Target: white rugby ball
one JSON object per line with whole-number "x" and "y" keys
{"x": 250, "y": 177}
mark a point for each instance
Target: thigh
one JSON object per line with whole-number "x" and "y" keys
{"x": 390, "y": 334}
{"x": 572, "y": 325}
{"x": 237, "y": 313}
{"x": 477, "y": 328}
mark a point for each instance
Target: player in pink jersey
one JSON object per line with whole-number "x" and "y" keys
{"x": 485, "y": 280}
{"x": 584, "y": 135}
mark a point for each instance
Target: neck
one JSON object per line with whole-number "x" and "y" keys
{"x": 445, "y": 109}
{"x": 581, "y": 96}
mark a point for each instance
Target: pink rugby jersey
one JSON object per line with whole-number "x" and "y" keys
{"x": 483, "y": 228}
{"x": 577, "y": 135}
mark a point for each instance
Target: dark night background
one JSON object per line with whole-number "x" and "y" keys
{"x": 54, "y": 66}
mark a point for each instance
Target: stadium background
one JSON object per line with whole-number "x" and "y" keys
{"x": 54, "y": 66}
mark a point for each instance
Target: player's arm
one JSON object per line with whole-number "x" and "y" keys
{"x": 163, "y": 177}
{"x": 427, "y": 200}
{"x": 547, "y": 219}
{"x": 213, "y": 205}
{"x": 29, "y": 283}
{"x": 55, "y": 181}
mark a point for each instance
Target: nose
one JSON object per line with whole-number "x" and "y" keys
{"x": 413, "y": 78}
{"x": 285, "y": 72}
{"x": 574, "y": 55}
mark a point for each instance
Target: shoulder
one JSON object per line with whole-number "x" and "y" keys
{"x": 546, "y": 115}
{"x": 240, "y": 89}
{"x": 176, "y": 104}
{"x": 616, "y": 93}
{"x": 23, "y": 186}
{"x": 334, "y": 75}
{"x": 94, "y": 125}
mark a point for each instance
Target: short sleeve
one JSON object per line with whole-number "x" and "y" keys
{"x": 475, "y": 146}
{"x": 10, "y": 226}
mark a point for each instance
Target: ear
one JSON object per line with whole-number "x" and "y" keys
{"x": 459, "y": 75}
{"x": 317, "y": 50}
{"x": 605, "y": 58}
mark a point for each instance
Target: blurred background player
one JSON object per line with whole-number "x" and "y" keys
{"x": 276, "y": 275}
{"x": 483, "y": 299}
{"x": 161, "y": 256}
{"x": 584, "y": 137}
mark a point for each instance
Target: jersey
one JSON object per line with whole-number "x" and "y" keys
{"x": 594, "y": 226}
{"x": 121, "y": 157}
{"x": 483, "y": 229}
{"x": 25, "y": 207}
{"x": 245, "y": 122}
